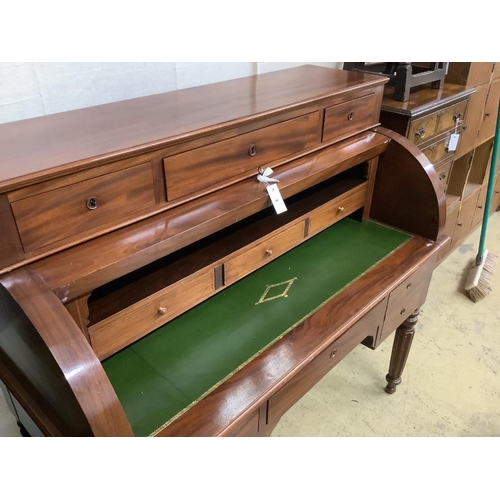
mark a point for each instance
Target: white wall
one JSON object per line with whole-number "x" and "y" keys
{"x": 29, "y": 89}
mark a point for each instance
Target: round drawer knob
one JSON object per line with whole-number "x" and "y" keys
{"x": 92, "y": 203}
{"x": 408, "y": 286}
{"x": 269, "y": 252}
{"x": 162, "y": 311}
{"x": 252, "y": 150}
{"x": 333, "y": 353}
{"x": 403, "y": 310}
{"x": 340, "y": 210}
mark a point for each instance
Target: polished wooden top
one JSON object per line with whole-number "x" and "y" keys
{"x": 47, "y": 146}
{"x": 425, "y": 99}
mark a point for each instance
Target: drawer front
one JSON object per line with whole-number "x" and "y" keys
{"x": 68, "y": 211}
{"x": 447, "y": 118}
{"x": 334, "y": 210}
{"x": 407, "y": 297}
{"x": 427, "y": 127}
{"x": 247, "y": 427}
{"x": 132, "y": 323}
{"x": 437, "y": 151}
{"x": 311, "y": 374}
{"x": 210, "y": 165}
{"x": 349, "y": 117}
{"x": 264, "y": 252}
{"x": 443, "y": 172}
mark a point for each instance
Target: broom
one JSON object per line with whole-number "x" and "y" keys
{"x": 478, "y": 283}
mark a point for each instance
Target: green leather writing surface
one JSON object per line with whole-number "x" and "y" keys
{"x": 157, "y": 377}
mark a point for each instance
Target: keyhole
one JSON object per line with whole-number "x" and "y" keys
{"x": 92, "y": 203}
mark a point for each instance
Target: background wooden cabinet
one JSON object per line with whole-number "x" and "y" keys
{"x": 470, "y": 100}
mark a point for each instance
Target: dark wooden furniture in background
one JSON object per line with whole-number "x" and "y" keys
{"x": 404, "y": 76}
{"x": 122, "y": 221}
{"x": 470, "y": 95}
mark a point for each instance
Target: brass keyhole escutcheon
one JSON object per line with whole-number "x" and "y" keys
{"x": 350, "y": 116}
{"x": 252, "y": 150}
{"x": 92, "y": 203}
{"x": 162, "y": 311}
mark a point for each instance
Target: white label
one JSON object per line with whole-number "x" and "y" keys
{"x": 452, "y": 144}
{"x": 275, "y": 195}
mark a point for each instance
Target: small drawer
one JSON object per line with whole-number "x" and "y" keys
{"x": 310, "y": 375}
{"x": 406, "y": 298}
{"x": 334, "y": 210}
{"x": 262, "y": 253}
{"x": 92, "y": 204}
{"x": 121, "y": 329}
{"x": 448, "y": 117}
{"x": 443, "y": 172}
{"x": 427, "y": 127}
{"x": 207, "y": 166}
{"x": 350, "y": 117}
{"x": 437, "y": 151}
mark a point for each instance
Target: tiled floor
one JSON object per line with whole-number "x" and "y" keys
{"x": 451, "y": 382}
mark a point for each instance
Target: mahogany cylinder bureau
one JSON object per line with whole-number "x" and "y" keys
{"x": 152, "y": 281}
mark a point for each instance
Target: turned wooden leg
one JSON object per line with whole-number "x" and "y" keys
{"x": 400, "y": 350}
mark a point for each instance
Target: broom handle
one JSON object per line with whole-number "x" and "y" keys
{"x": 489, "y": 194}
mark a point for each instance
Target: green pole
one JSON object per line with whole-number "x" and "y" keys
{"x": 489, "y": 194}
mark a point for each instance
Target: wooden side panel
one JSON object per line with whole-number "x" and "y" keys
{"x": 11, "y": 250}
{"x": 47, "y": 364}
{"x": 408, "y": 193}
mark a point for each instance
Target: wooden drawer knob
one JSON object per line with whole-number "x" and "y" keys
{"x": 340, "y": 210}
{"x": 92, "y": 203}
{"x": 269, "y": 252}
{"x": 162, "y": 311}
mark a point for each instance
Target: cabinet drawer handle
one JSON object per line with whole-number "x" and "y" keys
{"x": 457, "y": 115}
{"x": 333, "y": 353}
{"x": 420, "y": 133}
{"x": 269, "y": 252}
{"x": 403, "y": 310}
{"x": 442, "y": 176}
{"x": 340, "y": 210}
{"x": 408, "y": 285}
{"x": 252, "y": 150}
{"x": 162, "y": 311}
{"x": 350, "y": 116}
{"x": 92, "y": 203}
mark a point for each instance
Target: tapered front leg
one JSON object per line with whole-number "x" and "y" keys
{"x": 400, "y": 350}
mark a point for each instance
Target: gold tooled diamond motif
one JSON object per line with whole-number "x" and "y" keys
{"x": 287, "y": 285}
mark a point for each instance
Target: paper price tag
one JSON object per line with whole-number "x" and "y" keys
{"x": 276, "y": 198}
{"x": 453, "y": 142}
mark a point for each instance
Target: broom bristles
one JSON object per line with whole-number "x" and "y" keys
{"x": 478, "y": 285}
